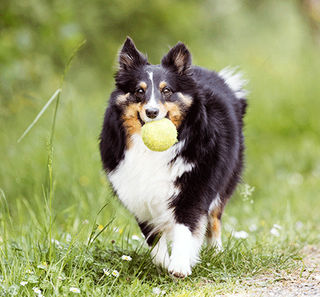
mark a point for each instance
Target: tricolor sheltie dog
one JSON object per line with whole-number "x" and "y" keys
{"x": 178, "y": 195}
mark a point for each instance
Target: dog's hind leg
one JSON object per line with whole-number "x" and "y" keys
{"x": 214, "y": 224}
{"x": 214, "y": 230}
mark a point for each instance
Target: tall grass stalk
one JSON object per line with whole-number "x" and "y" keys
{"x": 49, "y": 182}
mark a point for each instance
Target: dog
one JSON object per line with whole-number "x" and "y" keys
{"x": 177, "y": 196}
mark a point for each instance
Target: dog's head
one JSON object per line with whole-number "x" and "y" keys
{"x": 152, "y": 92}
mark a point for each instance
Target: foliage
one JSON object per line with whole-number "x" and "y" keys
{"x": 45, "y": 226}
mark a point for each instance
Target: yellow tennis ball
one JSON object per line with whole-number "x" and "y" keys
{"x": 159, "y": 135}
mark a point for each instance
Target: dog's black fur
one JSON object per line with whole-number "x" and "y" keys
{"x": 211, "y": 129}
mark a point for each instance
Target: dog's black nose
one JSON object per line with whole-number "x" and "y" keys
{"x": 152, "y": 112}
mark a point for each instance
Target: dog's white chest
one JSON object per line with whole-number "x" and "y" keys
{"x": 144, "y": 181}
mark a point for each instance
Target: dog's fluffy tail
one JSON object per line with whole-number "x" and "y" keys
{"x": 235, "y": 80}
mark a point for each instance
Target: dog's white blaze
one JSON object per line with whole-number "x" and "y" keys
{"x": 152, "y": 102}
{"x": 144, "y": 181}
{"x": 185, "y": 249}
{"x": 235, "y": 81}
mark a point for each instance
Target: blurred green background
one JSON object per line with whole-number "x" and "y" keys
{"x": 276, "y": 44}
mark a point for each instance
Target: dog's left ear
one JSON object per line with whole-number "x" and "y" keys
{"x": 130, "y": 57}
{"x": 178, "y": 59}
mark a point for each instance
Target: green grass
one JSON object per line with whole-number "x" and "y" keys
{"x": 48, "y": 214}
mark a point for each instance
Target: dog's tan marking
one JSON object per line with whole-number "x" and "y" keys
{"x": 143, "y": 85}
{"x": 122, "y": 98}
{"x": 214, "y": 225}
{"x": 174, "y": 113}
{"x": 131, "y": 121}
{"x": 162, "y": 85}
{"x": 186, "y": 99}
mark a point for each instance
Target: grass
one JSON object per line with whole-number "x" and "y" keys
{"x": 69, "y": 231}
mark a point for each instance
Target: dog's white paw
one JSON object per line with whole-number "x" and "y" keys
{"x": 179, "y": 268}
{"x": 162, "y": 260}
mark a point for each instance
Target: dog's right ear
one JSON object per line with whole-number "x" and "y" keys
{"x": 130, "y": 57}
{"x": 178, "y": 59}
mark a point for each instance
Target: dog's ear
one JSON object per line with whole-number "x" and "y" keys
{"x": 178, "y": 59}
{"x": 130, "y": 57}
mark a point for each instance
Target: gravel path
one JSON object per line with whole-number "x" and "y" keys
{"x": 303, "y": 282}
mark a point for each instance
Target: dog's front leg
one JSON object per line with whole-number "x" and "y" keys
{"x": 185, "y": 248}
{"x": 159, "y": 252}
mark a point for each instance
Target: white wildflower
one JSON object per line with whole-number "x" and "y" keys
{"x": 135, "y": 237}
{"x": 115, "y": 273}
{"x": 277, "y": 226}
{"x": 75, "y": 290}
{"x": 56, "y": 242}
{"x": 253, "y": 227}
{"x": 106, "y": 271}
{"x": 126, "y": 258}
{"x": 240, "y": 234}
{"x": 36, "y": 290}
{"x": 23, "y": 283}
{"x": 275, "y": 232}
{"x": 43, "y": 266}
{"x": 247, "y": 191}
{"x": 156, "y": 291}
{"x": 29, "y": 271}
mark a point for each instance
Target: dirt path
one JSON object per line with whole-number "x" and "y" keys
{"x": 303, "y": 282}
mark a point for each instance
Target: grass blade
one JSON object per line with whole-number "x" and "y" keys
{"x": 54, "y": 96}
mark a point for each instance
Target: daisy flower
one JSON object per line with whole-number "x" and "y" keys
{"x": 75, "y": 290}
{"x": 23, "y": 283}
{"x": 43, "y": 266}
{"x": 106, "y": 271}
{"x": 36, "y": 290}
{"x": 115, "y": 273}
{"x": 126, "y": 258}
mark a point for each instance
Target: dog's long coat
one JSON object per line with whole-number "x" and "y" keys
{"x": 177, "y": 195}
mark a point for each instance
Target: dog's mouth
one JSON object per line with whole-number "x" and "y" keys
{"x": 143, "y": 122}
{"x": 140, "y": 120}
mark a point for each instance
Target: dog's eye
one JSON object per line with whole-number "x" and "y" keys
{"x": 140, "y": 92}
{"x": 166, "y": 91}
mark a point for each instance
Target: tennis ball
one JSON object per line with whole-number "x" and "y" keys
{"x": 159, "y": 135}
